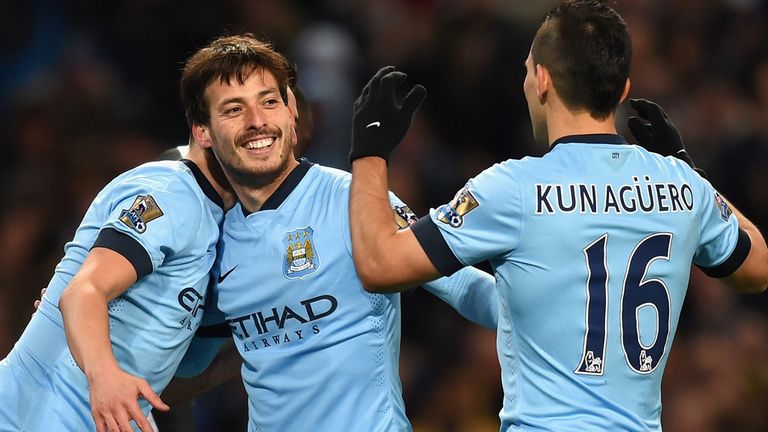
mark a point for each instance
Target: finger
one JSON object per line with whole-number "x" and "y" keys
{"x": 640, "y": 130}
{"x": 150, "y": 396}
{"x": 649, "y": 110}
{"x": 414, "y": 98}
{"x": 124, "y": 420}
{"x": 101, "y": 425}
{"x": 37, "y": 304}
{"x": 111, "y": 424}
{"x": 138, "y": 416}
{"x": 389, "y": 84}
{"x": 373, "y": 84}
{"x": 43, "y": 291}
{"x": 390, "y": 81}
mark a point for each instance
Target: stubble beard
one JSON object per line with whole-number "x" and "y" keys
{"x": 256, "y": 177}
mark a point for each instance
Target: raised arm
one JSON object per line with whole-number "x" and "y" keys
{"x": 104, "y": 275}
{"x": 752, "y": 275}
{"x": 386, "y": 259}
{"x": 655, "y": 131}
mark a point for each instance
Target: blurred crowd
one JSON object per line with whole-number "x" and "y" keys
{"x": 88, "y": 90}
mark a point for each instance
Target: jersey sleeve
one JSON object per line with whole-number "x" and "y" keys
{"x": 472, "y": 292}
{"x": 723, "y": 246}
{"x": 483, "y": 221}
{"x": 151, "y": 219}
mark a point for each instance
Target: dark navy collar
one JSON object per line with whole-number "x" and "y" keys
{"x": 590, "y": 139}
{"x": 286, "y": 187}
{"x": 205, "y": 185}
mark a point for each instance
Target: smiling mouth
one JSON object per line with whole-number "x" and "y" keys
{"x": 259, "y": 144}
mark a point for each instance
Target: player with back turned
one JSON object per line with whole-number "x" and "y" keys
{"x": 591, "y": 244}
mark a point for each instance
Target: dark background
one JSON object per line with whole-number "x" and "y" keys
{"x": 88, "y": 90}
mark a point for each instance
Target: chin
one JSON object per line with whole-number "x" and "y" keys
{"x": 263, "y": 173}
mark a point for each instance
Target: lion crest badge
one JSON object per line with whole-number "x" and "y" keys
{"x": 453, "y": 212}
{"x": 301, "y": 258}
{"x": 143, "y": 210}
{"x": 723, "y": 207}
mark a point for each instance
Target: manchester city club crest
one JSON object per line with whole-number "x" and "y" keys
{"x": 301, "y": 258}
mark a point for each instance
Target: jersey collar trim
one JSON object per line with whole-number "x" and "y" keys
{"x": 205, "y": 185}
{"x": 286, "y": 187}
{"x": 590, "y": 139}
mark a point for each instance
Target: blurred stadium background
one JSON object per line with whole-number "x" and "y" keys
{"x": 90, "y": 89}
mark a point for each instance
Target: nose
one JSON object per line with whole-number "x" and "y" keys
{"x": 255, "y": 118}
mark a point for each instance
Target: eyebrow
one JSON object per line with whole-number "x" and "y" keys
{"x": 240, "y": 99}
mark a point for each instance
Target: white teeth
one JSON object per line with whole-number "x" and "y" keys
{"x": 259, "y": 144}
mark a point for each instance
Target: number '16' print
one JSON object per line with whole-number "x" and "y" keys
{"x": 636, "y": 293}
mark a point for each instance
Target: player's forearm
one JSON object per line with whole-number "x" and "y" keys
{"x": 86, "y": 323}
{"x": 371, "y": 224}
{"x": 472, "y": 293}
{"x": 752, "y": 276}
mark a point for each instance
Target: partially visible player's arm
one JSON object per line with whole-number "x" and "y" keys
{"x": 386, "y": 259}
{"x": 199, "y": 371}
{"x": 662, "y": 136}
{"x": 104, "y": 275}
{"x": 752, "y": 274}
{"x": 472, "y": 292}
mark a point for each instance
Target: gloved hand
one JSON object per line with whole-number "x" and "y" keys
{"x": 659, "y": 135}
{"x": 383, "y": 114}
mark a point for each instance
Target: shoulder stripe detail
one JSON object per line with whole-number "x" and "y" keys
{"x": 737, "y": 258}
{"x": 128, "y": 247}
{"x": 435, "y": 246}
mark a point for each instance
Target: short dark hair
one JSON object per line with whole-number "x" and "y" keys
{"x": 225, "y": 59}
{"x": 587, "y": 49}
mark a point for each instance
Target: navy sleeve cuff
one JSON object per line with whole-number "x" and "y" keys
{"x": 739, "y": 254}
{"x": 435, "y": 246}
{"x": 214, "y": 331}
{"x": 128, "y": 247}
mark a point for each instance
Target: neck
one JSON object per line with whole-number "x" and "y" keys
{"x": 563, "y": 122}
{"x": 253, "y": 196}
{"x": 211, "y": 169}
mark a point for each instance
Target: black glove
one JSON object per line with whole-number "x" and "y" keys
{"x": 383, "y": 114}
{"x": 659, "y": 135}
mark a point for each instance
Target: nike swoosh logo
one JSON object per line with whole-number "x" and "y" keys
{"x": 224, "y": 275}
{"x": 374, "y": 124}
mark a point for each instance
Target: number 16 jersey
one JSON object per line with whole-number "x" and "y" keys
{"x": 592, "y": 246}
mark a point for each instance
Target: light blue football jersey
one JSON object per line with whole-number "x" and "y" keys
{"x": 165, "y": 218}
{"x": 591, "y": 246}
{"x": 320, "y": 353}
